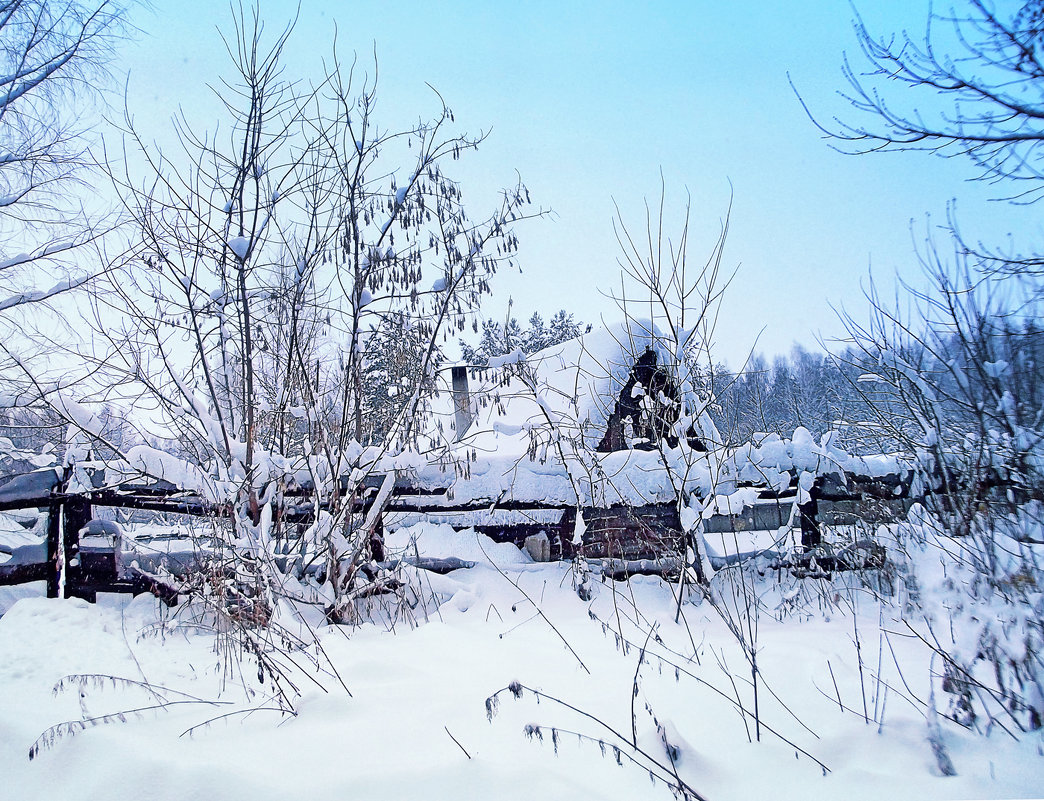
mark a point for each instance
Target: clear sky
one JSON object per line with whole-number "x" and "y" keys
{"x": 589, "y": 101}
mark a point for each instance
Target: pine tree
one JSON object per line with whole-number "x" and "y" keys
{"x": 395, "y": 352}
{"x": 500, "y": 339}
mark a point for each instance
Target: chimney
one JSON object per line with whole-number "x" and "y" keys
{"x": 461, "y": 401}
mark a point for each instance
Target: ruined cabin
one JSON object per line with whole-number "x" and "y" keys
{"x": 592, "y": 425}
{"x": 578, "y": 425}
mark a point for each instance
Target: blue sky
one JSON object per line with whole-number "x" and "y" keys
{"x": 590, "y": 101}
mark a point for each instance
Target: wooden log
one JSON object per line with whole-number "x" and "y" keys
{"x": 405, "y": 504}
{"x": 622, "y": 569}
{"x": 135, "y": 582}
{"x": 625, "y": 532}
{"x": 429, "y": 563}
{"x": 146, "y": 582}
{"x": 23, "y": 574}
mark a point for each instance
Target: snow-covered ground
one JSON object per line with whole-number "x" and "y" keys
{"x": 415, "y": 724}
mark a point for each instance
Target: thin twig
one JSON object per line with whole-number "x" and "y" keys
{"x": 462, "y": 748}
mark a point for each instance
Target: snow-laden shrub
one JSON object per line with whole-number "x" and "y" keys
{"x": 977, "y": 600}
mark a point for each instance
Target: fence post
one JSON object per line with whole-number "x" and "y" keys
{"x": 76, "y": 513}
{"x": 811, "y": 536}
{"x": 54, "y": 572}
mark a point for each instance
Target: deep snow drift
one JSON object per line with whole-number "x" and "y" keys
{"x": 415, "y": 724}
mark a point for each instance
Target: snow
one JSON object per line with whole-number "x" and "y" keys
{"x": 179, "y": 472}
{"x": 421, "y": 668}
{"x": 240, "y": 245}
{"x": 436, "y": 541}
{"x": 30, "y": 486}
{"x": 730, "y": 504}
{"x": 158, "y": 549}
{"x": 40, "y": 295}
{"x": 579, "y": 528}
{"x": 418, "y": 693}
{"x": 516, "y": 356}
{"x": 557, "y": 399}
{"x": 538, "y": 420}
{"x": 20, "y": 545}
{"x": 14, "y": 261}
{"x": 728, "y": 547}
{"x": 995, "y": 369}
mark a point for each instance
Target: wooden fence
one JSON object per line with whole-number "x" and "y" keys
{"x": 87, "y": 550}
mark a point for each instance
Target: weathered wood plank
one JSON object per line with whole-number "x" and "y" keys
{"x": 22, "y": 574}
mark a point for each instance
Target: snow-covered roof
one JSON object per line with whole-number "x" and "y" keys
{"x": 29, "y": 488}
{"x": 538, "y": 421}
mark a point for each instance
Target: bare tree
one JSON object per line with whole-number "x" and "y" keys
{"x": 957, "y": 383}
{"x": 971, "y": 86}
{"x": 268, "y": 255}
{"x": 677, "y": 304}
{"x": 53, "y": 56}
{"x": 976, "y": 74}
{"x": 951, "y": 374}
{"x": 54, "y": 65}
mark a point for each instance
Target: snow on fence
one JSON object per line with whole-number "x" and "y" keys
{"x": 622, "y": 539}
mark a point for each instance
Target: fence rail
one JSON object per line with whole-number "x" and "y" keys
{"x": 620, "y": 535}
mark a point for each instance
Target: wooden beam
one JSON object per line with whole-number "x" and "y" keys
{"x": 22, "y": 574}
{"x": 54, "y": 537}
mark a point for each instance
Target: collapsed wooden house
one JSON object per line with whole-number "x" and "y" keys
{"x": 608, "y": 430}
{"x": 598, "y": 446}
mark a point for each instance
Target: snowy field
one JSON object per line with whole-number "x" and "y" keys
{"x": 411, "y": 719}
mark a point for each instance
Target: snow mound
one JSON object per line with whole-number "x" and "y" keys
{"x": 440, "y": 541}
